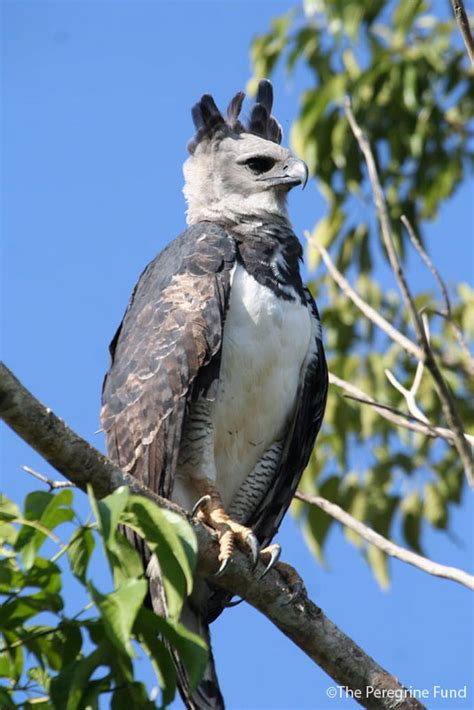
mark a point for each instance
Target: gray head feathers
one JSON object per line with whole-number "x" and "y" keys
{"x": 210, "y": 123}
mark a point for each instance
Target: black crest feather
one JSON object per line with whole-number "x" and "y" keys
{"x": 235, "y": 107}
{"x": 209, "y": 121}
{"x": 265, "y": 95}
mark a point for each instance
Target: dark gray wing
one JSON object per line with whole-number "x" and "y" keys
{"x": 170, "y": 334}
{"x": 300, "y": 438}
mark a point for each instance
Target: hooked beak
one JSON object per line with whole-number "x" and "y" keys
{"x": 296, "y": 171}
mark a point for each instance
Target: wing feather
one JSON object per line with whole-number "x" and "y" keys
{"x": 171, "y": 331}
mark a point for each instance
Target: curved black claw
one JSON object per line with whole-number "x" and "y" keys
{"x": 234, "y": 602}
{"x": 223, "y": 567}
{"x": 275, "y": 552}
{"x": 200, "y": 504}
{"x": 254, "y": 546}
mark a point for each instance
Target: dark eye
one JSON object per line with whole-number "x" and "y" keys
{"x": 261, "y": 164}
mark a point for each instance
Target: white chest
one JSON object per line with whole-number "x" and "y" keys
{"x": 266, "y": 340}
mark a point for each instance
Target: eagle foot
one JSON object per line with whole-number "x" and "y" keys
{"x": 210, "y": 511}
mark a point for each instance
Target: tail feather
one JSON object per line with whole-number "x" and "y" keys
{"x": 207, "y": 695}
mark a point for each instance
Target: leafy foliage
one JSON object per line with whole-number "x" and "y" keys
{"x": 404, "y": 70}
{"x": 52, "y": 658}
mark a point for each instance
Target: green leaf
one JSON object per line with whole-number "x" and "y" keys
{"x": 8, "y": 510}
{"x": 40, "y": 676}
{"x": 161, "y": 533}
{"x": 79, "y": 552}
{"x": 159, "y": 656}
{"x": 11, "y": 663}
{"x": 133, "y": 695}
{"x": 378, "y": 563}
{"x": 406, "y": 12}
{"x": 191, "y": 648}
{"x": 318, "y": 523}
{"x": 8, "y": 536}
{"x": 435, "y": 508}
{"x": 12, "y": 657}
{"x": 48, "y": 509}
{"x": 358, "y": 509}
{"x": 124, "y": 559}
{"x": 324, "y": 233}
{"x": 119, "y": 610}
{"x": 69, "y": 687}
{"x": 109, "y": 509}
{"x": 412, "y": 509}
{"x": 188, "y": 541}
{"x": 43, "y": 574}
{"x": 16, "y": 612}
{"x": 9, "y": 576}
{"x": 54, "y": 646}
{"x": 6, "y": 700}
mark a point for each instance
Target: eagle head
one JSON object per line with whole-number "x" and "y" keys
{"x": 238, "y": 171}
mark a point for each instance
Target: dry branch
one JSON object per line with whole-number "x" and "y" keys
{"x": 52, "y": 485}
{"x": 389, "y": 547}
{"x": 365, "y": 307}
{"x": 448, "y": 403}
{"x": 395, "y": 416}
{"x": 295, "y": 615}
{"x": 463, "y": 23}
{"x": 410, "y": 395}
{"x": 447, "y": 313}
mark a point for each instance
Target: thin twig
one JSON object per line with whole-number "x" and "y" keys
{"x": 395, "y": 416}
{"x": 463, "y": 23}
{"x": 362, "y": 305}
{"x": 382, "y": 213}
{"x": 469, "y": 364}
{"x": 447, "y": 400}
{"x": 425, "y": 257}
{"x": 53, "y": 485}
{"x": 410, "y": 422}
{"x": 387, "y": 546}
{"x": 447, "y": 313}
{"x": 386, "y": 412}
{"x": 431, "y": 431}
{"x": 410, "y": 395}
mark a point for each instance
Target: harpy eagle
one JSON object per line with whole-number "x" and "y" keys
{"x": 218, "y": 380}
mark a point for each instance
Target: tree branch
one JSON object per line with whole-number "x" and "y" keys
{"x": 52, "y": 485}
{"x": 446, "y": 397}
{"x": 387, "y": 546}
{"x": 463, "y": 24}
{"x": 410, "y": 395}
{"x": 363, "y": 306}
{"x": 294, "y": 614}
{"x": 447, "y": 313}
{"x": 417, "y": 423}
{"x": 395, "y": 416}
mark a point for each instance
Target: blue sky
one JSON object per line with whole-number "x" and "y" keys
{"x": 95, "y": 120}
